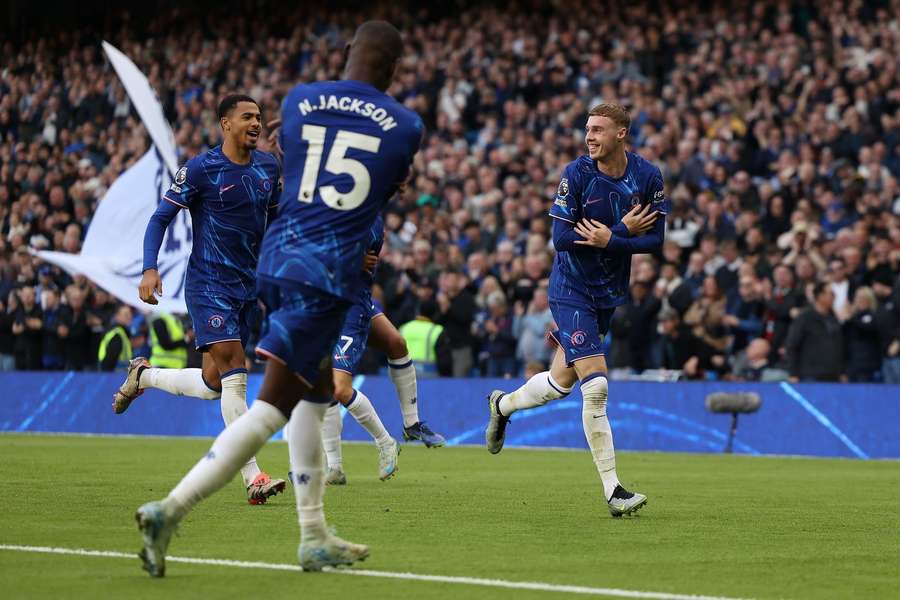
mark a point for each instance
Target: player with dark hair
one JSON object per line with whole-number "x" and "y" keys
{"x": 366, "y": 323}
{"x": 231, "y": 193}
{"x": 605, "y": 211}
{"x": 347, "y": 147}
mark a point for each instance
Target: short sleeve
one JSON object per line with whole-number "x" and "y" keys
{"x": 184, "y": 190}
{"x": 568, "y": 196}
{"x": 656, "y": 194}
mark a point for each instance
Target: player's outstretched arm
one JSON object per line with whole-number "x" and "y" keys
{"x": 151, "y": 283}
{"x": 274, "y": 139}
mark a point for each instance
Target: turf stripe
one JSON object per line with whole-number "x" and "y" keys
{"x": 497, "y": 583}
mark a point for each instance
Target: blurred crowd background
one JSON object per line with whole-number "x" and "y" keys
{"x": 776, "y": 125}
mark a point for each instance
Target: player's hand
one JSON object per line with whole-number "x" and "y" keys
{"x": 594, "y": 233}
{"x": 369, "y": 261}
{"x": 274, "y": 127}
{"x": 639, "y": 219}
{"x": 150, "y": 286}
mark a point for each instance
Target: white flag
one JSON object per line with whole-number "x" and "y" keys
{"x": 112, "y": 255}
{"x": 147, "y": 105}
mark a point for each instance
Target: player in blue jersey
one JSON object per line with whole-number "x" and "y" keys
{"x": 347, "y": 146}
{"x": 606, "y": 209}
{"x": 365, "y": 322}
{"x": 231, "y": 192}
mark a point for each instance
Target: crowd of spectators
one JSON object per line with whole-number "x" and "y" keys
{"x": 776, "y": 125}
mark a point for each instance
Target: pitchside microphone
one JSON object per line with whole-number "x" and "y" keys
{"x": 734, "y": 403}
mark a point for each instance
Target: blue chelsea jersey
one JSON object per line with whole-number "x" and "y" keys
{"x": 375, "y": 242}
{"x": 229, "y": 205}
{"x": 347, "y": 147}
{"x": 586, "y": 192}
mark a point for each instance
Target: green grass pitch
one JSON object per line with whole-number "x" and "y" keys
{"x": 730, "y": 526}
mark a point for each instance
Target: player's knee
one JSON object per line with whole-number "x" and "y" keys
{"x": 343, "y": 392}
{"x": 397, "y": 347}
{"x": 211, "y": 378}
{"x": 593, "y": 374}
{"x": 227, "y": 356}
{"x": 563, "y": 378}
{"x": 552, "y": 389}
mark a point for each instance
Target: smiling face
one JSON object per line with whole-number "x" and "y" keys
{"x": 603, "y": 137}
{"x": 243, "y": 124}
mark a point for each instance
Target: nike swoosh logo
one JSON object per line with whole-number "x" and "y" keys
{"x": 226, "y": 188}
{"x": 598, "y": 416}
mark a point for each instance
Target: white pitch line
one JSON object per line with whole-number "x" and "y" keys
{"x": 497, "y": 583}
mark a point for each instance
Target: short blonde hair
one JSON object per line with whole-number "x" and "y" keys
{"x": 496, "y": 298}
{"x": 617, "y": 113}
{"x": 868, "y": 295}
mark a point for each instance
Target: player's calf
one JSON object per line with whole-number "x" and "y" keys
{"x": 537, "y": 391}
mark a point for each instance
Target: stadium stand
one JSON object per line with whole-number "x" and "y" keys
{"x": 775, "y": 124}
